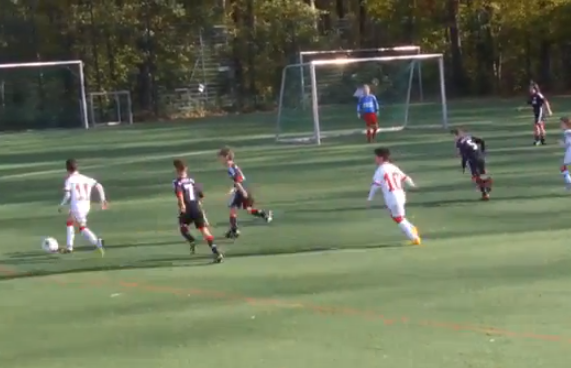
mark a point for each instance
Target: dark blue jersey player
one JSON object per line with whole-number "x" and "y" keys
{"x": 541, "y": 109}
{"x": 240, "y": 196}
{"x": 472, "y": 152}
{"x": 189, "y": 196}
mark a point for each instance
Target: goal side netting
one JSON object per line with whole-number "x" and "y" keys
{"x": 330, "y": 108}
{"x": 43, "y": 95}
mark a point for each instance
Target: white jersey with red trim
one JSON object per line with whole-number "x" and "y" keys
{"x": 79, "y": 187}
{"x": 390, "y": 179}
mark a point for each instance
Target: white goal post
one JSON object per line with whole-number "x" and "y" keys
{"x": 330, "y": 110}
{"x": 312, "y": 55}
{"x": 46, "y": 66}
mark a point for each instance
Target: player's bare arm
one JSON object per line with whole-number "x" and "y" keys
{"x": 102, "y": 199}
{"x": 241, "y": 189}
{"x": 548, "y": 107}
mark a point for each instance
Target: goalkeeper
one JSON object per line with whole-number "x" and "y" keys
{"x": 368, "y": 110}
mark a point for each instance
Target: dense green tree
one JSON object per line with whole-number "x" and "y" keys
{"x": 152, "y": 47}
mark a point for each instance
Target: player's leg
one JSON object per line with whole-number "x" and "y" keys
{"x": 369, "y": 122}
{"x": 374, "y": 126}
{"x": 398, "y": 215}
{"x": 248, "y": 205}
{"x": 70, "y": 233}
{"x": 483, "y": 182}
{"x": 80, "y": 216}
{"x": 539, "y": 129}
{"x": 565, "y": 168}
{"x": 184, "y": 221}
{"x": 200, "y": 223}
{"x": 234, "y": 203}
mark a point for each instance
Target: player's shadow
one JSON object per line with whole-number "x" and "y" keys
{"x": 199, "y": 260}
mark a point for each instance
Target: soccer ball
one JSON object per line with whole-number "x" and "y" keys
{"x": 50, "y": 245}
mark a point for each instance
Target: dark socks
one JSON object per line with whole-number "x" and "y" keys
{"x": 186, "y": 234}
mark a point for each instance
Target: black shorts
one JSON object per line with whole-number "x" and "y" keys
{"x": 192, "y": 216}
{"x": 477, "y": 166}
{"x": 239, "y": 201}
{"x": 538, "y": 117}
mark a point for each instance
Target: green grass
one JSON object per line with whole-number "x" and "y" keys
{"x": 328, "y": 284}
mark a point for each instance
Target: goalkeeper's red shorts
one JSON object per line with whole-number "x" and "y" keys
{"x": 370, "y": 119}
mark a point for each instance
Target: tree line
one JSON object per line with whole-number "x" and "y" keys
{"x": 153, "y": 47}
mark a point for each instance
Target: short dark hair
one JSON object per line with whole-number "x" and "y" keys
{"x": 179, "y": 164}
{"x": 383, "y": 153}
{"x": 71, "y": 165}
{"x": 226, "y": 152}
{"x": 457, "y": 131}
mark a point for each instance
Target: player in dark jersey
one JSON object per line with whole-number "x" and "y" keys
{"x": 189, "y": 197}
{"x": 541, "y": 108}
{"x": 241, "y": 196}
{"x": 472, "y": 151}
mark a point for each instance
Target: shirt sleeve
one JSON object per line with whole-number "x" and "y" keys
{"x": 378, "y": 177}
{"x": 376, "y": 103}
{"x": 67, "y": 185}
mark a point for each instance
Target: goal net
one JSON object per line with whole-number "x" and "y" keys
{"x": 42, "y": 95}
{"x": 330, "y": 107}
{"x": 308, "y": 56}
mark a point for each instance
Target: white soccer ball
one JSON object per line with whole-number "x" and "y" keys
{"x": 50, "y": 245}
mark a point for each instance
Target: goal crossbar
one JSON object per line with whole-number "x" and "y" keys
{"x": 40, "y": 64}
{"x": 341, "y": 61}
{"x": 312, "y": 65}
{"x": 381, "y": 49}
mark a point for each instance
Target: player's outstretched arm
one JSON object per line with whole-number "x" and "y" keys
{"x": 408, "y": 181}
{"x": 548, "y": 107}
{"x": 65, "y": 199}
{"x": 374, "y": 188}
{"x": 101, "y": 192}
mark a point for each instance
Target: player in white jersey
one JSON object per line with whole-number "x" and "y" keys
{"x": 566, "y": 143}
{"x": 390, "y": 179}
{"x": 77, "y": 191}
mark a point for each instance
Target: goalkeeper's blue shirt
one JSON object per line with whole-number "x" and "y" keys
{"x": 367, "y": 104}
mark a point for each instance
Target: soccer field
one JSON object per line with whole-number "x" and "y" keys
{"x": 329, "y": 284}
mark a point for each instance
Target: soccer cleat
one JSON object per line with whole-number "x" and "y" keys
{"x": 416, "y": 241}
{"x": 232, "y": 234}
{"x": 101, "y": 247}
{"x": 192, "y": 247}
{"x": 65, "y": 250}
{"x": 485, "y": 197}
{"x": 269, "y": 216}
{"x": 536, "y": 143}
{"x": 218, "y": 258}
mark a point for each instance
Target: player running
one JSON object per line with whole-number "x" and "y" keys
{"x": 77, "y": 191}
{"x": 389, "y": 178}
{"x": 539, "y": 104}
{"x": 240, "y": 198}
{"x": 368, "y": 110}
{"x": 472, "y": 151}
{"x": 566, "y": 143}
{"x": 189, "y": 197}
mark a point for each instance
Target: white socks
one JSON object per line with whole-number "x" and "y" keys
{"x": 566, "y": 175}
{"x": 70, "y": 231}
{"x": 408, "y": 229}
{"x": 90, "y": 236}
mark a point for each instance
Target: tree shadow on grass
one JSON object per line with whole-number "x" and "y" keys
{"x": 199, "y": 260}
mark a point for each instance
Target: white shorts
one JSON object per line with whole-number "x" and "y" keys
{"x": 79, "y": 214}
{"x": 396, "y": 208}
{"x": 567, "y": 157}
